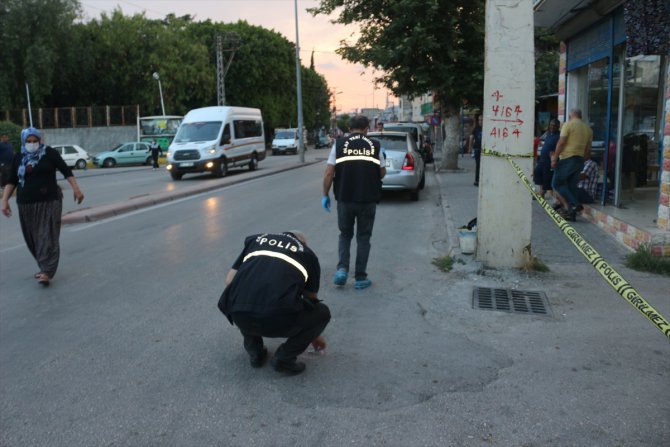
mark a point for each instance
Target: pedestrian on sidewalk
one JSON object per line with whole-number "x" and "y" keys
{"x": 39, "y": 200}
{"x": 573, "y": 147}
{"x": 475, "y": 145}
{"x": 155, "y": 152}
{"x": 6, "y": 157}
{"x": 355, "y": 170}
{"x": 543, "y": 174}
{"x": 271, "y": 291}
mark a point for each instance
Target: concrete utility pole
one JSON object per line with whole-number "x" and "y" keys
{"x": 228, "y": 43}
{"x": 504, "y": 208}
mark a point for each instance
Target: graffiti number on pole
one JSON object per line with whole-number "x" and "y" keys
{"x": 506, "y": 118}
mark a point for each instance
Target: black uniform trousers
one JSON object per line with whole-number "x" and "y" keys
{"x": 300, "y": 329}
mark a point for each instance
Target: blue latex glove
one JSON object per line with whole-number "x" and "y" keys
{"x": 325, "y": 203}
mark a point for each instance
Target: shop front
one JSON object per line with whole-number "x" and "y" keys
{"x": 614, "y": 67}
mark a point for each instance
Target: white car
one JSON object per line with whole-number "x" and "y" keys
{"x": 74, "y": 156}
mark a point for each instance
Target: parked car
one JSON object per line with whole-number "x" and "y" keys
{"x": 323, "y": 141}
{"x": 416, "y": 130}
{"x": 74, "y": 156}
{"x": 285, "y": 141}
{"x": 405, "y": 168}
{"x": 135, "y": 152}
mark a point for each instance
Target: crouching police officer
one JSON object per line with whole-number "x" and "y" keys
{"x": 271, "y": 291}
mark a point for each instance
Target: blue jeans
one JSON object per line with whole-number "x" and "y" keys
{"x": 566, "y": 177}
{"x": 363, "y": 215}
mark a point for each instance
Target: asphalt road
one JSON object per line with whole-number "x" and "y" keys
{"x": 103, "y": 186}
{"x": 127, "y": 348}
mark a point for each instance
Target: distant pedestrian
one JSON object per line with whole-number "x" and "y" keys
{"x": 475, "y": 145}
{"x": 573, "y": 147}
{"x": 155, "y": 152}
{"x": 6, "y": 157}
{"x": 39, "y": 200}
{"x": 380, "y": 126}
{"x": 271, "y": 291}
{"x": 356, "y": 169}
{"x": 543, "y": 173}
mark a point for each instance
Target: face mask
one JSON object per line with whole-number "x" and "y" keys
{"x": 32, "y": 147}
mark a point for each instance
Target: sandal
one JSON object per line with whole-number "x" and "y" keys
{"x": 43, "y": 279}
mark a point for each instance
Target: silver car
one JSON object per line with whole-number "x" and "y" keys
{"x": 405, "y": 168}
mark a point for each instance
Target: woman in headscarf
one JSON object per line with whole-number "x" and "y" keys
{"x": 39, "y": 200}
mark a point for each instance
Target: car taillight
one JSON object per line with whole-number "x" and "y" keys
{"x": 408, "y": 163}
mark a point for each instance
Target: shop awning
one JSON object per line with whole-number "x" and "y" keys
{"x": 553, "y": 13}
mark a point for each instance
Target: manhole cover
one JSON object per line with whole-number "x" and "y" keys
{"x": 508, "y": 300}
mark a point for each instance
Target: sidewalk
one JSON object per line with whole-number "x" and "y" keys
{"x": 549, "y": 244}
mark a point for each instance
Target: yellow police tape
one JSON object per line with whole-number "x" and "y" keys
{"x": 614, "y": 279}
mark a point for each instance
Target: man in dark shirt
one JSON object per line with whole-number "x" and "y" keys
{"x": 355, "y": 168}
{"x": 6, "y": 157}
{"x": 271, "y": 291}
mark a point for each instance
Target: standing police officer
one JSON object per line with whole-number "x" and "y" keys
{"x": 271, "y": 291}
{"x": 356, "y": 168}
{"x": 155, "y": 153}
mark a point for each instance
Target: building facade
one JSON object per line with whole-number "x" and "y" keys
{"x": 614, "y": 67}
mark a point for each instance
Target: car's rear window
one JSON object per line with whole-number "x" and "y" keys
{"x": 201, "y": 131}
{"x": 392, "y": 142}
{"x": 410, "y": 130}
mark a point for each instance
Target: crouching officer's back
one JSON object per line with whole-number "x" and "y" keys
{"x": 271, "y": 291}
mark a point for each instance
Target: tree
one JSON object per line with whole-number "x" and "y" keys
{"x": 546, "y": 62}
{"x": 419, "y": 46}
{"x": 110, "y": 61}
{"x": 34, "y": 35}
{"x": 343, "y": 122}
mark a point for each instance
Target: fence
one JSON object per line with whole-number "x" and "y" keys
{"x": 73, "y": 117}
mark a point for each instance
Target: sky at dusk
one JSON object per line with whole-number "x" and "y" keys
{"x": 315, "y": 33}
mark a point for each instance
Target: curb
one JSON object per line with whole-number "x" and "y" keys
{"x": 151, "y": 199}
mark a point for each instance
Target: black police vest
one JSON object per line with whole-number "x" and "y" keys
{"x": 357, "y": 169}
{"x": 272, "y": 272}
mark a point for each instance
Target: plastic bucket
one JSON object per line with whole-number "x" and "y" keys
{"x": 467, "y": 240}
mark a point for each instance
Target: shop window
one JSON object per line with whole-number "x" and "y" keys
{"x": 640, "y": 137}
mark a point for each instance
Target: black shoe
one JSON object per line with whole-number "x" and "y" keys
{"x": 569, "y": 215}
{"x": 291, "y": 367}
{"x": 579, "y": 208}
{"x": 257, "y": 360}
{"x": 557, "y": 206}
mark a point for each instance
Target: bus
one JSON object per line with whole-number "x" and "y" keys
{"x": 162, "y": 128}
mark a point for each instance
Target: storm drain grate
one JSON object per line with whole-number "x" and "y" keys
{"x": 508, "y": 300}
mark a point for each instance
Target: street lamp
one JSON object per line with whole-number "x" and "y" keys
{"x": 160, "y": 90}
{"x": 301, "y": 142}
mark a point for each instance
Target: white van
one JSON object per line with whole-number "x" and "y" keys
{"x": 285, "y": 141}
{"x": 214, "y": 139}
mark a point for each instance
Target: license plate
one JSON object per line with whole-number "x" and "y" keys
{"x": 185, "y": 165}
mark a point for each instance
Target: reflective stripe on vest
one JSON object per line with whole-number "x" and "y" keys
{"x": 357, "y": 157}
{"x": 283, "y": 257}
